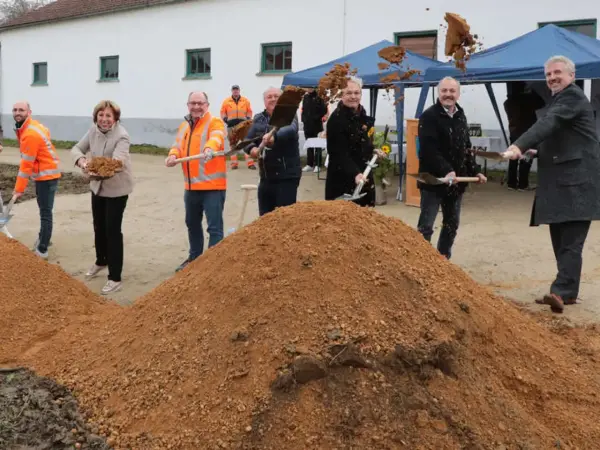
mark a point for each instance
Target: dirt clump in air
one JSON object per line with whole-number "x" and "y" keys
{"x": 383, "y": 66}
{"x": 460, "y": 43}
{"x": 332, "y": 84}
{"x": 239, "y": 132}
{"x": 37, "y": 413}
{"x": 394, "y": 54}
{"x": 38, "y": 300}
{"x": 342, "y": 328}
{"x": 104, "y": 167}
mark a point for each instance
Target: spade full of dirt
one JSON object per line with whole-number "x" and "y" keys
{"x": 103, "y": 167}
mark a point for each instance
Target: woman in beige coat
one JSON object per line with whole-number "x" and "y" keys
{"x": 109, "y": 139}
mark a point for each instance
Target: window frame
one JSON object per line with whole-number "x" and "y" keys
{"x": 38, "y": 82}
{"x": 263, "y": 59}
{"x": 417, "y": 34}
{"x": 570, "y": 23}
{"x": 188, "y": 61}
{"x": 103, "y": 60}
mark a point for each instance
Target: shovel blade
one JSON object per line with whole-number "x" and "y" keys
{"x": 489, "y": 155}
{"x": 283, "y": 115}
{"x": 426, "y": 178}
{"x": 350, "y": 197}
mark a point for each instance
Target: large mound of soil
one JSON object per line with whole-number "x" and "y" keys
{"x": 37, "y": 300}
{"x": 325, "y": 325}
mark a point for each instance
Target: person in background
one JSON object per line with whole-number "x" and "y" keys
{"x": 235, "y": 110}
{"x": 567, "y": 197}
{"x": 444, "y": 151}
{"x": 40, "y": 162}
{"x": 349, "y": 145}
{"x": 107, "y": 138}
{"x": 205, "y": 179}
{"x": 521, "y": 105}
{"x": 314, "y": 113}
{"x": 280, "y": 167}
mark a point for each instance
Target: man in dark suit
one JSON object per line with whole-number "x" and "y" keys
{"x": 568, "y": 193}
{"x": 444, "y": 151}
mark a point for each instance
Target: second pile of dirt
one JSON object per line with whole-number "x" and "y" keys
{"x": 320, "y": 326}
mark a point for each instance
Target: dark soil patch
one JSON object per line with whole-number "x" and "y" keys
{"x": 35, "y": 412}
{"x": 70, "y": 183}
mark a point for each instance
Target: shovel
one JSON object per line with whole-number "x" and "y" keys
{"x": 6, "y": 216}
{"x": 357, "y": 191}
{"x": 498, "y": 156}
{"x": 285, "y": 111}
{"x": 427, "y": 178}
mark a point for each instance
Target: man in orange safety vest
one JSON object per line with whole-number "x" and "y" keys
{"x": 234, "y": 110}
{"x": 40, "y": 163}
{"x": 205, "y": 182}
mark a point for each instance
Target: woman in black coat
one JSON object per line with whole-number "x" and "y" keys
{"x": 349, "y": 147}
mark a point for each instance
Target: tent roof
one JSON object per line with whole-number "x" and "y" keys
{"x": 365, "y": 61}
{"x": 523, "y": 58}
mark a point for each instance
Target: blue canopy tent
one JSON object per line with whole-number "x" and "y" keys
{"x": 366, "y": 62}
{"x": 520, "y": 59}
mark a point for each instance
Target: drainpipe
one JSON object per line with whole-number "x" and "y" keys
{"x": 344, "y": 29}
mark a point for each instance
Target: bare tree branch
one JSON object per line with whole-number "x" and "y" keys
{"x": 11, "y": 9}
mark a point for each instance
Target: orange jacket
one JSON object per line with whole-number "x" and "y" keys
{"x": 230, "y": 109}
{"x": 193, "y": 138}
{"x": 39, "y": 160}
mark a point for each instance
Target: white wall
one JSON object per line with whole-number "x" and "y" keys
{"x": 151, "y": 44}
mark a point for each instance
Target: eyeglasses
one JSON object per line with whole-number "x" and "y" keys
{"x": 197, "y": 103}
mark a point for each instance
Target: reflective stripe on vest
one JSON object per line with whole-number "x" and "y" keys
{"x": 46, "y": 141}
{"x": 201, "y": 175}
{"x": 45, "y": 173}
{"x": 180, "y": 135}
{"x": 27, "y": 157}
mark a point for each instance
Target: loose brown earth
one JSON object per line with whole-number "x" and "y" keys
{"x": 333, "y": 82}
{"x": 342, "y": 329}
{"x": 104, "y": 167}
{"x": 70, "y": 183}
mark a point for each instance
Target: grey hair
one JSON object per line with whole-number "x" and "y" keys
{"x": 355, "y": 79}
{"x": 450, "y": 79}
{"x": 569, "y": 65}
{"x": 271, "y": 88}
{"x": 200, "y": 92}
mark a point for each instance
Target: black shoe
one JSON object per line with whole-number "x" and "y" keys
{"x": 183, "y": 265}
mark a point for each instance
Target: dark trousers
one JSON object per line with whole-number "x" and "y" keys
{"x": 518, "y": 174}
{"x": 314, "y": 157}
{"x": 197, "y": 204}
{"x": 430, "y": 204}
{"x": 45, "y": 192}
{"x": 107, "y": 213}
{"x": 567, "y": 241}
{"x": 275, "y": 194}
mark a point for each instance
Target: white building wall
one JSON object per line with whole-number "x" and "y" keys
{"x": 151, "y": 45}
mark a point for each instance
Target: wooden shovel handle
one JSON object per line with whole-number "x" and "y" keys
{"x": 189, "y": 158}
{"x": 466, "y": 179}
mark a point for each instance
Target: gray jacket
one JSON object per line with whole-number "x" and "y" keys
{"x": 568, "y": 160}
{"x": 112, "y": 144}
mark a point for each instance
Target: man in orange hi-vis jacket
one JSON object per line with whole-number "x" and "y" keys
{"x": 203, "y": 135}
{"x": 234, "y": 110}
{"x": 40, "y": 163}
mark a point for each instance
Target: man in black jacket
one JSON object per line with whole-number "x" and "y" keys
{"x": 567, "y": 197}
{"x": 279, "y": 168}
{"x": 444, "y": 145}
{"x": 314, "y": 113}
{"x": 520, "y": 107}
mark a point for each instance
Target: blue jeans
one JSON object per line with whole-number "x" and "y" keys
{"x": 45, "y": 192}
{"x": 198, "y": 203}
{"x": 430, "y": 204}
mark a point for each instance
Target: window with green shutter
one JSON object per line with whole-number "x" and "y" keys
{"x": 198, "y": 63}
{"x": 40, "y": 73}
{"x": 276, "y": 57}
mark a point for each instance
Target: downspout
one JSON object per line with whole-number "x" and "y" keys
{"x": 344, "y": 29}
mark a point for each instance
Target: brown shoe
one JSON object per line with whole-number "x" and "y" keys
{"x": 570, "y": 301}
{"x": 554, "y": 301}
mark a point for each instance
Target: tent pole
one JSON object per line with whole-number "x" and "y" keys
{"x": 488, "y": 87}
{"x": 373, "y": 94}
{"x": 422, "y": 100}
{"x": 399, "y": 100}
